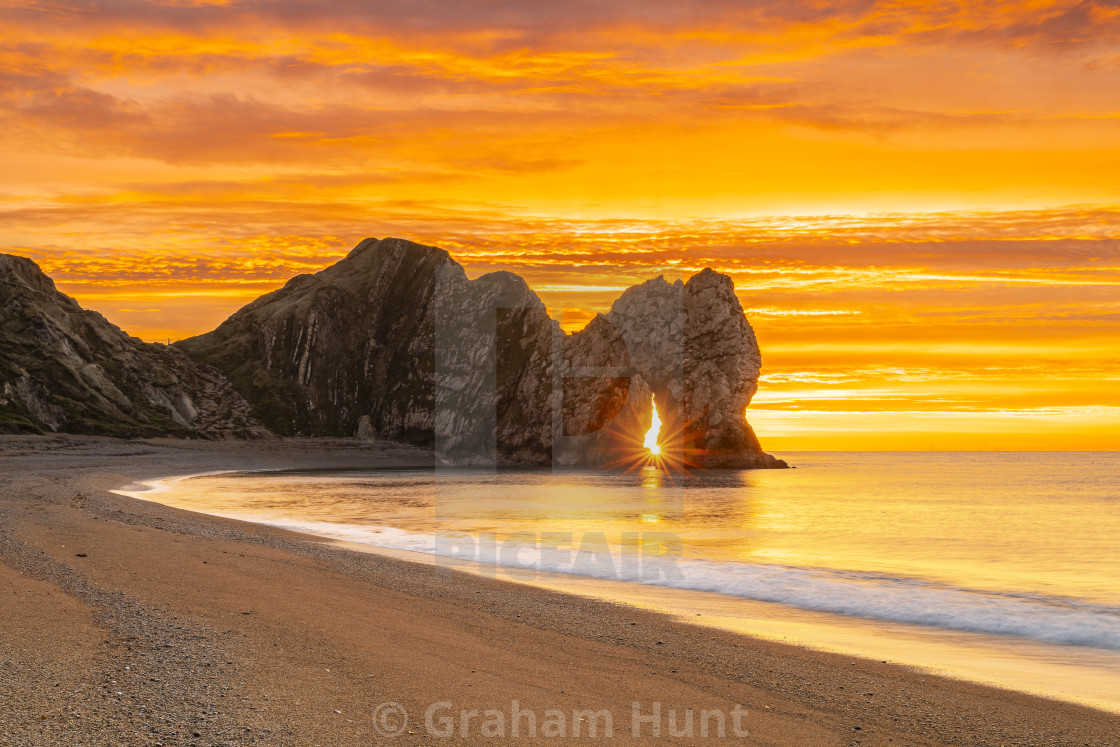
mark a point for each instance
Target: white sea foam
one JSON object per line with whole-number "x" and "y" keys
{"x": 874, "y": 596}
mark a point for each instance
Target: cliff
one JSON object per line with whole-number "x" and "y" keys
{"x": 396, "y": 342}
{"x": 688, "y": 348}
{"x": 66, "y": 369}
{"x": 327, "y": 349}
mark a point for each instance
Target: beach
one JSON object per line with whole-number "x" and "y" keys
{"x": 129, "y": 622}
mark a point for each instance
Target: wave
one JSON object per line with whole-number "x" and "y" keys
{"x": 875, "y": 596}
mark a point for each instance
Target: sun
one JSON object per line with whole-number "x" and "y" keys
{"x": 654, "y": 429}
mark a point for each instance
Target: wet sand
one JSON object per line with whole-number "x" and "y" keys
{"x": 127, "y": 622}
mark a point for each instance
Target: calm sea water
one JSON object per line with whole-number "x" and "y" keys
{"x": 1016, "y": 545}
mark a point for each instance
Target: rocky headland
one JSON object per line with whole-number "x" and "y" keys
{"x": 395, "y": 342}
{"x": 65, "y": 369}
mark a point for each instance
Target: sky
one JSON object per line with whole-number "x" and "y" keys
{"x": 918, "y": 202}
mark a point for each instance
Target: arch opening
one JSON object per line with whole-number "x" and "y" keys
{"x": 654, "y": 431}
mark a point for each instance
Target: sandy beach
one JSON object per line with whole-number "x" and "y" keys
{"x": 127, "y": 622}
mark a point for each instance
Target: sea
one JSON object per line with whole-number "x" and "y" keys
{"x": 994, "y": 567}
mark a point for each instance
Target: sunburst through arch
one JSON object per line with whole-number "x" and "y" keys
{"x": 651, "y": 442}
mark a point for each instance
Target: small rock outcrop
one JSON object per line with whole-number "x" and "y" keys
{"x": 65, "y": 369}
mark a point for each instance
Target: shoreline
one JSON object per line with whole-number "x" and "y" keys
{"x": 983, "y": 659}
{"x": 245, "y": 634}
{"x": 1072, "y": 673}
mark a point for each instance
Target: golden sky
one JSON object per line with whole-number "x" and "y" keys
{"x": 918, "y": 202}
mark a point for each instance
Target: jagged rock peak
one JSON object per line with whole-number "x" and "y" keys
{"x": 21, "y": 271}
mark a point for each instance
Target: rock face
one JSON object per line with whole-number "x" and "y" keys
{"x": 695, "y": 350}
{"x": 396, "y": 342}
{"x": 607, "y": 406}
{"x": 493, "y": 371}
{"x": 65, "y": 369}
{"x": 685, "y": 348}
{"x": 327, "y": 349}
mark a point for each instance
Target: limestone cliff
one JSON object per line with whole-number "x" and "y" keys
{"x": 396, "y": 342}
{"x": 66, "y": 369}
{"x": 327, "y": 349}
{"x": 686, "y": 348}
{"x": 693, "y": 352}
